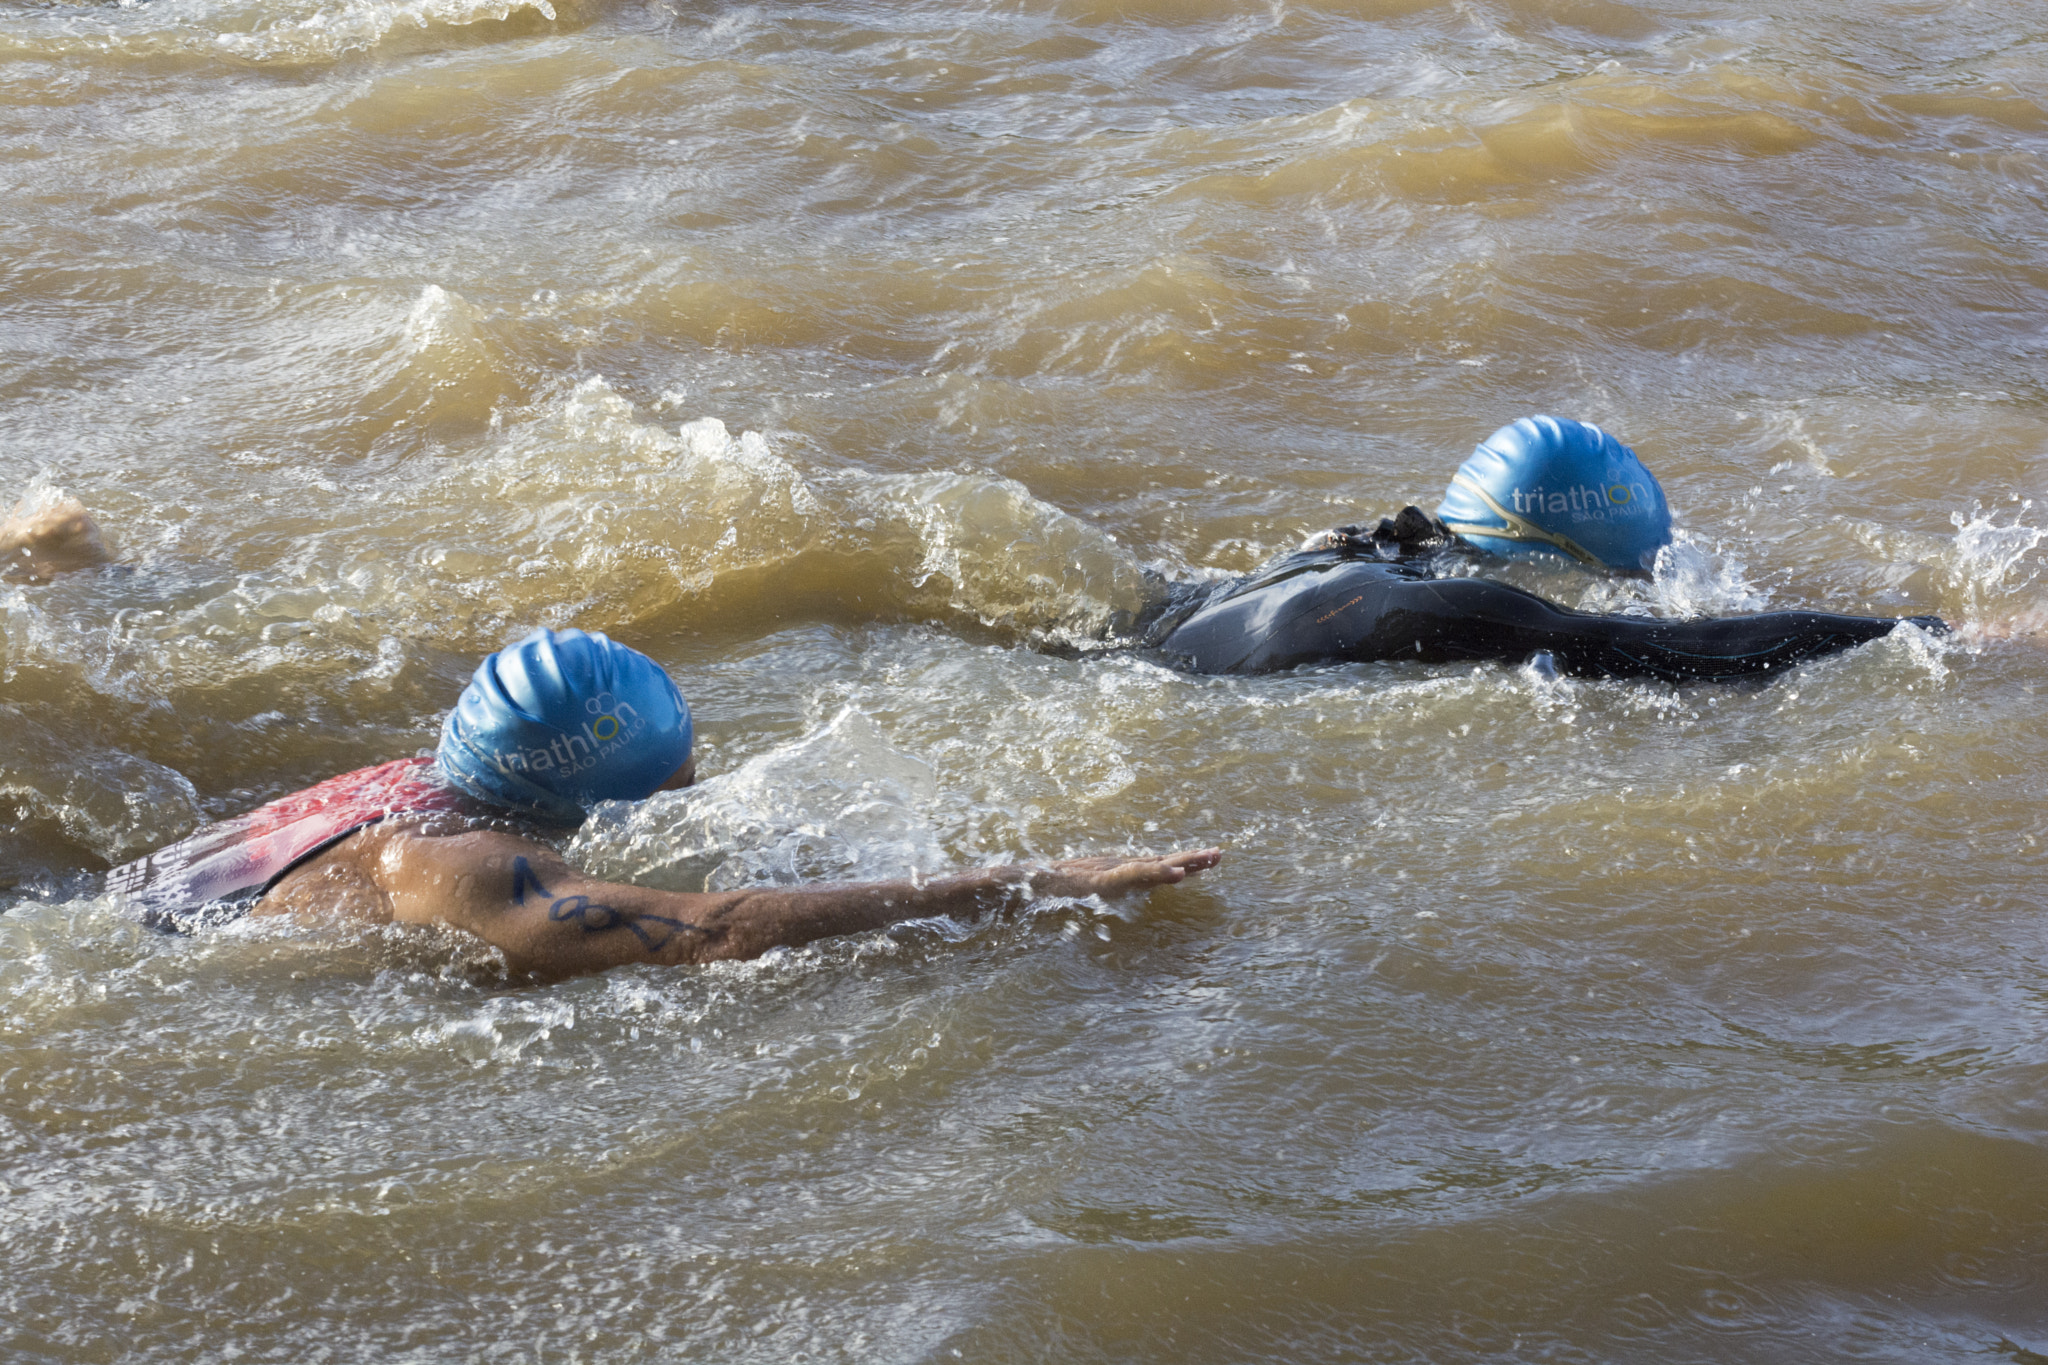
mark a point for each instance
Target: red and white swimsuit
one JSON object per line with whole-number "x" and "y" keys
{"x": 170, "y": 887}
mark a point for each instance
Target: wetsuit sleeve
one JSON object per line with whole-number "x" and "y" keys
{"x": 1363, "y": 611}
{"x": 1468, "y": 618}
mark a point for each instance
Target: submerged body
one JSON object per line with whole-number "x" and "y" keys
{"x": 399, "y": 844}
{"x": 1364, "y": 597}
{"x": 549, "y": 920}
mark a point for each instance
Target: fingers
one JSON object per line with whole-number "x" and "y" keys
{"x": 1172, "y": 867}
{"x": 1116, "y": 874}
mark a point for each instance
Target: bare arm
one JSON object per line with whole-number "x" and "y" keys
{"x": 38, "y": 545}
{"x": 553, "y": 921}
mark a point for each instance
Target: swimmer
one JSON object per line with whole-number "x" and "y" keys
{"x": 1539, "y": 487}
{"x": 546, "y": 729}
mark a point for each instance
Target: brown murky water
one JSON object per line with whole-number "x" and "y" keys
{"x": 858, "y": 360}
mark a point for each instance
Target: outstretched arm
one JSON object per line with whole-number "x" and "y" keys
{"x": 1466, "y": 618}
{"x": 553, "y": 921}
{"x": 38, "y": 545}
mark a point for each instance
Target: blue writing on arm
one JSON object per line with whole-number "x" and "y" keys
{"x": 595, "y": 917}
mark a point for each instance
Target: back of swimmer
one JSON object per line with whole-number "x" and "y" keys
{"x": 546, "y": 729}
{"x": 1540, "y": 487}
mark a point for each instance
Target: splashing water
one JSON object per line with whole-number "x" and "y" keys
{"x": 837, "y": 804}
{"x": 1985, "y": 556}
{"x": 41, "y": 492}
{"x": 1693, "y": 577}
{"x": 1693, "y": 580}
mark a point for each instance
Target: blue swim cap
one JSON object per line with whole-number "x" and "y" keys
{"x": 1549, "y": 485}
{"x": 562, "y": 720}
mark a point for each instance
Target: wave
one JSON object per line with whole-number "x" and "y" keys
{"x": 277, "y": 33}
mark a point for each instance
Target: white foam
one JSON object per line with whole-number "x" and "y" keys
{"x": 440, "y": 319}
{"x": 1983, "y": 564}
{"x": 840, "y": 803}
{"x": 335, "y": 30}
{"x": 41, "y": 492}
{"x": 986, "y": 547}
{"x": 1692, "y": 579}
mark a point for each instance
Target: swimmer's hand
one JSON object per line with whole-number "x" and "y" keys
{"x": 2023, "y": 625}
{"x": 1337, "y": 538}
{"x": 1117, "y": 874}
{"x": 39, "y": 544}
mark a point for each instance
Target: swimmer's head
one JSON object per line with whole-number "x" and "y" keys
{"x": 1553, "y": 486}
{"x": 563, "y": 720}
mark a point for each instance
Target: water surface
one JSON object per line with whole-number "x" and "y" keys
{"x": 859, "y": 361}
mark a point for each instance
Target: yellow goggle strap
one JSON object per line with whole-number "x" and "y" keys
{"x": 1518, "y": 527}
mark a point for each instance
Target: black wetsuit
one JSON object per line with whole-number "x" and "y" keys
{"x": 1357, "y": 595}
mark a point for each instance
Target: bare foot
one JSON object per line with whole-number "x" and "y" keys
{"x": 39, "y": 544}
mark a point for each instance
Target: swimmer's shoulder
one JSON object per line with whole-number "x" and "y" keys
{"x": 340, "y": 880}
{"x": 1406, "y": 545}
{"x": 355, "y": 877}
